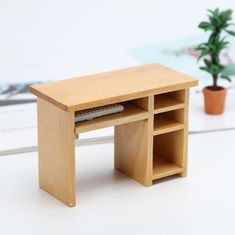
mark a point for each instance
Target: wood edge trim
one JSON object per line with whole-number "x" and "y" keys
{"x": 48, "y": 99}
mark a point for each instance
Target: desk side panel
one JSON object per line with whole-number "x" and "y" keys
{"x": 133, "y": 150}
{"x": 185, "y": 135}
{"x": 56, "y": 152}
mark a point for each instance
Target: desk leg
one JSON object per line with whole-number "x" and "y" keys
{"x": 56, "y": 152}
{"x": 185, "y": 136}
{"x": 133, "y": 150}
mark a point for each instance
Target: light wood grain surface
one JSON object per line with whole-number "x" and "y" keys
{"x": 110, "y": 87}
{"x": 151, "y": 133}
{"x": 132, "y": 145}
{"x": 56, "y": 152}
{"x": 162, "y": 167}
{"x": 185, "y": 135}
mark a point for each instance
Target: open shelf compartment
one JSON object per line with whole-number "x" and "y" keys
{"x": 167, "y": 154}
{"x": 168, "y": 121}
{"x": 134, "y": 110}
{"x": 169, "y": 101}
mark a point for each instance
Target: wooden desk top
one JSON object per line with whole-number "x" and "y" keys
{"x": 110, "y": 87}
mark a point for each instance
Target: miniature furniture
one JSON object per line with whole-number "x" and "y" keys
{"x": 150, "y": 134}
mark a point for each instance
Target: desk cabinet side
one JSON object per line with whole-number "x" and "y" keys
{"x": 56, "y": 152}
{"x": 133, "y": 144}
{"x": 185, "y": 135}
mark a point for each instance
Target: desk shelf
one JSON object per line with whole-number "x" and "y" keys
{"x": 163, "y": 167}
{"x": 164, "y": 124}
{"x": 131, "y": 113}
{"x": 169, "y": 101}
{"x": 167, "y": 154}
{"x": 166, "y": 103}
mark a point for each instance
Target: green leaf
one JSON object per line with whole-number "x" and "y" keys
{"x": 214, "y": 69}
{"x": 205, "y": 69}
{"x": 207, "y": 62}
{"x": 215, "y": 12}
{"x": 200, "y": 47}
{"x": 218, "y": 46}
{"x": 214, "y": 38}
{"x": 221, "y": 67}
{"x": 230, "y": 32}
{"x": 206, "y": 26}
{"x": 212, "y": 48}
{"x": 204, "y": 53}
{"x": 217, "y": 60}
{"x": 226, "y": 15}
{"x": 222, "y": 44}
{"x": 215, "y": 20}
{"x": 225, "y": 77}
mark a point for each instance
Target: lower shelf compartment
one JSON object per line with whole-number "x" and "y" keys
{"x": 162, "y": 167}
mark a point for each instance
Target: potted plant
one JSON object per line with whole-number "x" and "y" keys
{"x": 218, "y": 25}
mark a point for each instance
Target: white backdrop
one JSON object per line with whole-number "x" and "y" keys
{"x": 58, "y": 39}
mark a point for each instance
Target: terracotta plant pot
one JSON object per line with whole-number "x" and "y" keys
{"x": 214, "y": 100}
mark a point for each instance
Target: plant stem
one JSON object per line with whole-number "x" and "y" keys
{"x": 213, "y": 60}
{"x": 215, "y": 79}
{"x": 215, "y": 76}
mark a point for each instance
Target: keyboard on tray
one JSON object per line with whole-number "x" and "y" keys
{"x": 92, "y": 113}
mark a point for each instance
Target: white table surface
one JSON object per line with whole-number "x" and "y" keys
{"x": 111, "y": 203}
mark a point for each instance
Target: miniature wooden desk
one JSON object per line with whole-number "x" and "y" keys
{"x": 150, "y": 134}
